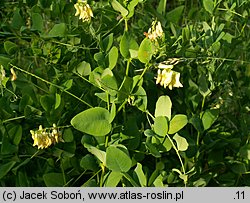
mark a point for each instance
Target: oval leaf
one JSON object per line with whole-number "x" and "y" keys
{"x": 58, "y": 30}
{"x": 10, "y": 47}
{"x": 117, "y": 158}
{"x": 113, "y": 56}
{"x": 118, "y": 7}
{"x": 153, "y": 150}
{"x": 88, "y": 162}
{"x": 94, "y": 121}
{"x": 113, "y": 179}
{"x": 5, "y": 168}
{"x": 163, "y": 107}
{"x": 112, "y": 112}
{"x": 37, "y": 22}
{"x": 145, "y": 52}
{"x": 209, "y": 117}
{"x": 58, "y": 100}
{"x": 128, "y": 46}
{"x": 161, "y": 126}
{"x": 177, "y": 123}
{"x": 182, "y": 144}
{"x": 208, "y": 5}
{"x": 54, "y": 179}
{"x": 140, "y": 174}
{"x": 101, "y": 155}
{"x": 83, "y": 68}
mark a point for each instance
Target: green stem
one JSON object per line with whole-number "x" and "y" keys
{"x": 126, "y": 24}
{"x": 34, "y": 154}
{"x": 63, "y": 173}
{"x": 120, "y": 108}
{"x": 203, "y": 103}
{"x": 50, "y": 83}
{"x": 79, "y": 177}
{"x": 73, "y": 46}
{"x": 202, "y": 107}
{"x": 150, "y": 115}
{"x": 131, "y": 180}
{"x": 107, "y": 96}
{"x": 92, "y": 176}
{"x": 127, "y": 69}
{"x": 13, "y": 119}
{"x": 141, "y": 76}
{"x": 178, "y": 154}
{"x": 102, "y": 176}
{"x": 198, "y": 139}
{"x": 217, "y": 58}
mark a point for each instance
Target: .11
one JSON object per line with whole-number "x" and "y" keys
{"x": 240, "y": 195}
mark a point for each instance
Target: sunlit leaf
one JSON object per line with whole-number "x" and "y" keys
{"x": 163, "y": 107}
{"x": 94, "y": 121}
{"x": 177, "y": 123}
{"x": 182, "y": 144}
{"x": 117, "y": 158}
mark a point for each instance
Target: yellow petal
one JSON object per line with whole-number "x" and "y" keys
{"x": 177, "y": 82}
{"x": 158, "y": 79}
{"x": 14, "y": 77}
{"x": 165, "y": 66}
{"x": 158, "y": 29}
{"x": 89, "y": 11}
{"x": 77, "y": 9}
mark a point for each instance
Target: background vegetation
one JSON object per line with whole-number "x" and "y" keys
{"x": 96, "y": 81}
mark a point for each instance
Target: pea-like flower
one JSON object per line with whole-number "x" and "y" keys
{"x": 155, "y": 31}
{"x": 83, "y": 10}
{"x": 166, "y": 77}
{"x": 2, "y": 74}
{"x": 13, "y": 77}
{"x": 45, "y": 137}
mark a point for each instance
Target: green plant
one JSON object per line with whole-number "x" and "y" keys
{"x": 143, "y": 93}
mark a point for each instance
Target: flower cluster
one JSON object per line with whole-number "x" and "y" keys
{"x": 155, "y": 31}
{"x": 2, "y": 74}
{"x": 44, "y": 137}
{"x": 167, "y": 77}
{"x": 13, "y": 77}
{"x": 83, "y": 10}
{"x": 3, "y": 78}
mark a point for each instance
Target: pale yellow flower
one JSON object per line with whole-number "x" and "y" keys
{"x": 2, "y": 74}
{"x": 175, "y": 82}
{"x": 83, "y": 10}
{"x": 158, "y": 29}
{"x": 166, "y": 77}
{"x": 43, "y": 138}
{"x": 165, "y": 66}
{"x": 13, "y": 77}
{"x": 155, "y": 31}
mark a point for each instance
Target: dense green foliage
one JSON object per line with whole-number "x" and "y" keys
{"x": 96, "y": 80}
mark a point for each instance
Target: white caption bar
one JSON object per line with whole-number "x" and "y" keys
{"x": 131, "y": 195}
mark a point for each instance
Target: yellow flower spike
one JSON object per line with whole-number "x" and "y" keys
{"x": 82, "y": 13}
{"x": 163, "y": 77}
{"x": 13, "y": 77}
{"x": 155, "y": 31}
{"x": 159, "y": 76}
{"x": 45, "y": 137}
{"x": 83, "y": 10}
{"x": 165, "y": 66}
{"x": 158, "y": 29}
{"x": 89, "y": 11}
{"x": 166, "y": 77}
{"x": 77, "y": 9}
{"x": 2, "y": 74}
{"x": 40, "y": 128}
{"x": 177, "y": 82}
